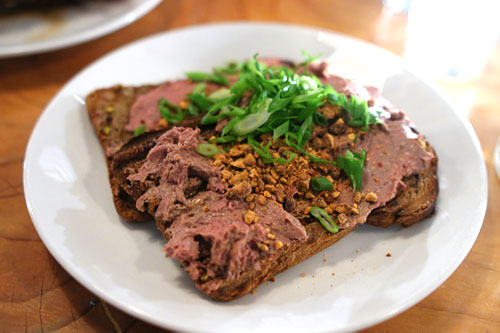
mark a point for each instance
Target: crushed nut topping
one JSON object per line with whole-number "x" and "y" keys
{"x": 263, "y": 247}
{"x": 371, "y": 197}
{"x": 249, "y": 217}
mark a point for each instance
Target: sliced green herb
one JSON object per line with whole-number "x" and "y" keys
{"x": 139, "y": 130}
{"x": 199, "y": 88}
{"x": 309, "y": 58}
{"x": 320, "y": 119}
{"x": 326, "y": 220}
{"x": 266, "y": 156}
{"x": 199, "y": 76}
{"x": 172, "y": 113}
{"x": 281, "y": 130}
{"x": 229, "y": 126}
{"x": 220, "y": 94}
{"x": 231, "y": 68}
{"x": 304, "y": 131}
{"x": 352, "y": 164}
{"x": 208, "y": 149}
{"x": 280, "y": 100}
{"x": 321, "y": 184}
{"x": 313, "y": 158}
{"x": 224, "y": 139}
{"x": 192, "y": 110}
{"x": 201, "y": 100}
{"x": 250, "y": 123}
{"x": 360, "y": 114}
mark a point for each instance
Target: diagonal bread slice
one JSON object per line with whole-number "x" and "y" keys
{"x": 108, "y": 108}
{"x": 414, "y": 202}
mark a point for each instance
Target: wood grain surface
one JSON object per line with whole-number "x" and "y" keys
{"x": 36, "y": 294}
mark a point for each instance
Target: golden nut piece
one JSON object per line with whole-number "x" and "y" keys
{"x": 249, "y": 216}
{"x": 371, "y": 197}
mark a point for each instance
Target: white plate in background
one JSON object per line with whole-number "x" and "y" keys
{"x": 70, "y": 202}
{"x": 24, "y": 33}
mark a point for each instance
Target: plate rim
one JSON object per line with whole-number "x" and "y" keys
{"x": 83, "y": 36}
{"x": 368, "y": 322}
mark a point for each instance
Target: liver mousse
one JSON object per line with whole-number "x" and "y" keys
{"x": 214, "y": 243}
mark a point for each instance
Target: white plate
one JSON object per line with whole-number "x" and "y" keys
{"x": 35, "y": 32}
{"x": 70, "y": 201}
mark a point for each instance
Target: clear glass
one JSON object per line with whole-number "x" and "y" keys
{"x": 451, "y": 38}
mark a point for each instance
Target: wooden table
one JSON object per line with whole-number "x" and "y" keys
{"x": 36, "y": 294}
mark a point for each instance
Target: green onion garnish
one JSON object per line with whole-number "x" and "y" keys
{"x": 216, "y": 78}
{"x": 224, "y": 139}
{"x": 250, "y": 123}
{"x": 284, "y": 101}
{"x": 200, "y": 100}
{"x": 352, "y": 164}
{"x": 208, "y": 149}
{"x": 266, "y": 156}
{"x": 139, "y": 130}
{"x": 321, "y": 184}
{"x": 281, "y": 130}
{"x": 220, "y": 94}
{"x": 326, "y": 221}
{"x": 361, "y": 115}
{"x": 192, "y": 110}
{"x": 166, "y": 108}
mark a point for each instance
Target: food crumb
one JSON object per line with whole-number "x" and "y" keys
{"x": 303, "y": 275}
{"x": 358, "y": 250}
{"x": 388, "y": 254}
{"x": 254, "y": 292}
{"x": 333, "y": 274}
{"x": 313, "y": 275}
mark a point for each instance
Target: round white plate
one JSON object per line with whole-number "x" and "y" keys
{"x": 69, "y": 199}
{"x": 41, "y": 31}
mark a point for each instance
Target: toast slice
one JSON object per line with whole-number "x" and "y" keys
{"x": 127, "y": 155}
{"x": 414, "y": 201}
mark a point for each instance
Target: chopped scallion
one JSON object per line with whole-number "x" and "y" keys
{"x": 281, "y": 130}
{"x": 208, "y": 149}
{"x": 352, "y": 164}
{"x": 139, "y": 130}
{"x": 172, "y": 113}
{"x": 199, "y": 76}
{"x": 220, "y": 94}
{"x": 326, "y": 220}
{"x": 321, "y": 184}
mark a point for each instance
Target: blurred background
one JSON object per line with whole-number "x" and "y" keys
{"x": 452, "y": 42}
